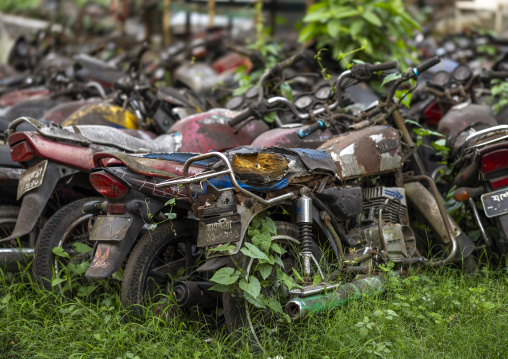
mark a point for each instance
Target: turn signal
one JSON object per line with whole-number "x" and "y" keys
{"x": 107, "y": 185}
{"x": 22, "y": 152}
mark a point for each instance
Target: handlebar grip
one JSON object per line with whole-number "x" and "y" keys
{"x": 383, "y": 66}
{"x": 242, "y": 116}
{"x": 489, "y": 75}
{"x": 304, "y": 132}
{"x": 426, "y": 65}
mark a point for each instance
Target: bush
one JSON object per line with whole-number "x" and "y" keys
{"x": 377, "y": 26}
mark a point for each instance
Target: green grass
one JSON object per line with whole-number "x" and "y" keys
{"x": 444, "y": 314}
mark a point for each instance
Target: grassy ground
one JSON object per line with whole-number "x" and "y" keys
{"x": 442, "y": 314}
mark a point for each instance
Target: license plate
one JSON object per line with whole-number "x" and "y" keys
{"x": 31, "y": 178}
{"x": 219, "y": 230}
{"x": 110, "y": 228}
{"x": 495, "y": 203}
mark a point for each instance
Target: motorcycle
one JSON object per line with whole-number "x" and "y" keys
{"x": 334, "y": 212}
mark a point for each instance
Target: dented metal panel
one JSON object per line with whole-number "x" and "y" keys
{"x": 210, "y": 131}
{"x": 288, "y": 137}
{"x": 104, "y": 114}
{"x": 367, "y": 152}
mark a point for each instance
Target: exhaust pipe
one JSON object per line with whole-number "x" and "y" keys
{"x": 189, "y": 294}
{"x": 299, "y": 308}
{"x": 11, "y": 258}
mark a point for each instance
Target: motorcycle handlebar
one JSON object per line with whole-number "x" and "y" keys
{"x": 489, "y": 75}
{"x": 242, "y": 116}
{"x": 383, "y": 66}
{"x": 426, "y": 65}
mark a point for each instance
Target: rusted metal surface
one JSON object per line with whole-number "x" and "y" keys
{"x": 60, "y": 113}
{"x": 102, "y": 113}
{"x": 146, "y": 166}
{"x": 260, "y": 167}
{"x": 288, "y": 137}
{"x": 13, "y": 97}
{"x": 370, "y": 151}
{"x": 210, "y": 131}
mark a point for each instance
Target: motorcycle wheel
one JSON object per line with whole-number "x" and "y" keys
{"x": 155, "y": 263}
{"x": 243, "y": 316}
{"x": 8, "y": 218}
{"x": 69, "y": 225}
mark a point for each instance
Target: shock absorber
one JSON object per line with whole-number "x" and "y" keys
{"x": 304, "y": 220}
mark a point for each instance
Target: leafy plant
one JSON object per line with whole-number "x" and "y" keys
{"x": 378, "y": 25}
{"x": 499, "y": 95}
{"x": 268, "y": 264}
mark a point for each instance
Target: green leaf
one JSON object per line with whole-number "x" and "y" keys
{"x": 265, "y": 270}
{"x": 253, "y": 287}
{"x": 169, "y": 202}
{"x": 317, "y": 15}
{"x": 363, "y": 331}
{"x": 220, "y": 288}
{"x": 277, "y": 248}
{"x": 253, "y": 252}
{"x": 256, "y": 221}
{"x": 333, "y": 28}
{"x": 297, "y": 275}
{"x": 57, "y": 281}
{"x": 286, "y": 90}
{"x": 356, "y": 28}
{"x": 223, "y": 248}
{"x": 85, "y": 291}
{"x": 153, "y": 226}
{"x": 270, "y": 118}
{"x": 118, "y": 275}
{"x": 255, "y": 301}
{"x": 271, "y": 226}
{"x": 372, "y": 18}
{"x": 59, "y": 251}
{"x": 390, "y": 78}
{"x": 226, "y": 276}
{"x": 262, "y": 240}
{"x": 170, "y": 215}
{"x": 316, "y": 280}
{"x": 274, "y": 305}
{"x": 278, "y": 260}
{"x": 307, "y": 33}
{"x": 81, "y": 247}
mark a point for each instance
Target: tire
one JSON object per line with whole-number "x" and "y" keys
{"x": 138, "y": 287}
{"x": 8, "y": 217}
{"x": 236, "y": 309}
{"x": 67, "y": 226}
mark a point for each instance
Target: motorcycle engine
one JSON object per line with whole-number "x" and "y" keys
{"x": 381, "y": 224}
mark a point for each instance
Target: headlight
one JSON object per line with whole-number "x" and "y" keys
{"x": 259, "y": 168}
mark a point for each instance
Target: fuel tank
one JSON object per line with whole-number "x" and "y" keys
{"x": 288, "y": 137}
{"x": 102, "y": 113}
{"x": 367, "y": 152}
{"x": 464, "y": 116}
{"x": 60, "y": 113}
{"x": 210, "y": 131}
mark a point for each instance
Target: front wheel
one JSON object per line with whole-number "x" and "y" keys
{"x": 64, "y": 247}
{"x": 239, "y": 313}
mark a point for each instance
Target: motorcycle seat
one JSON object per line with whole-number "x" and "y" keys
{"x": 113, "y": 137}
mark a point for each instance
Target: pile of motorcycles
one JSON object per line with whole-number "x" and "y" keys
{"x": 103, "y": 172}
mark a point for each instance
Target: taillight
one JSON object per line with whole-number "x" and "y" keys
{"x": 433, "y": 113}
{"x": 494, "y": 161}
{"x": 107, "y": 185}
{"x": 22, "y": 152}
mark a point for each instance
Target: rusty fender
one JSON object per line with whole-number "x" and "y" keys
{"x": 116, "y": 235}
